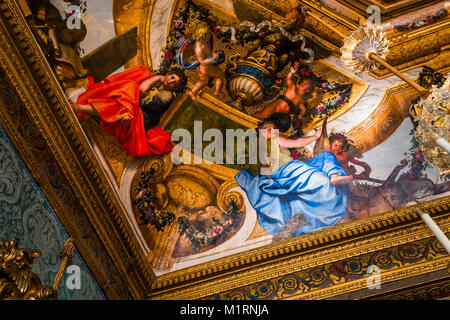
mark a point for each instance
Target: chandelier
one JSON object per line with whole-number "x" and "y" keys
{"x": 432, "y": 116}
{"x": 365, "y": 50}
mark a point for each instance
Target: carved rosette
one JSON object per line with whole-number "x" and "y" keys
{"x": 360, "y": 44}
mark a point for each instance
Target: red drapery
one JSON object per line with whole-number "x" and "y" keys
{"x": 118, "y": 96}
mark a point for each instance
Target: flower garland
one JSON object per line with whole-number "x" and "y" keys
{"x": 416, "y": 160}
{"x": 422, "y": 21}
{"x": 343, "y": 91}
{"x": 301, "y": 154}
{"x": 210, "y": 236}
{"x": 144, "y": 202}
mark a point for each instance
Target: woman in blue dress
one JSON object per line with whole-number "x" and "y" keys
{"x": 316, "y": 189}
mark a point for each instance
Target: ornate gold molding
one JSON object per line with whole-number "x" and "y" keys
{"x": 408, "y": 49}
{"x": 47, "y": 106}
{"x": 326, "y": 246}
{"x": 30, "y": 74}
{"x": 388, "y": 8}
{"x": 115, "y": 156}
{"x": 63, "y": 210}
{"x": 430, "y": 290}
{"x": 286, "y": 262}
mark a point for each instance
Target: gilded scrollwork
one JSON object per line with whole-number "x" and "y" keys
{"x": 225, "y": 196}
{"x": 18, "y": 282}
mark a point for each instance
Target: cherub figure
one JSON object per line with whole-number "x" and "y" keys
{"x": 207, "y": 63}
{"x": 346, "y": 153}
{"x": 299, "y": 89}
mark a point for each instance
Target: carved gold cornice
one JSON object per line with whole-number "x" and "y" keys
{"x": 388, "y": 8}
{"x": 280, "y": 258}
{"x": 408, "y": 49}
{"x": 300, "y": 256}
{"x": 48, "y": 109}
{"x": 25, "y": 65}
{"x": 57, "y": 205}
{"x": 430, "y": 290}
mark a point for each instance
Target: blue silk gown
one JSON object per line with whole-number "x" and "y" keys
{"x": 298, "y": 188}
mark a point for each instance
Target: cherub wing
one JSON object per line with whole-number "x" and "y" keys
{"x": 353, "y": 152}
{"x": 323, "y": 142}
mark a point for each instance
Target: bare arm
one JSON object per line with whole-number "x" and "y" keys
{"x": 289, "y": 79}
{"x": 299, "y": 142}
{"x": 266, "y": 113}
{"x": 290, "y": 76}
{"x": 147, "y": 84}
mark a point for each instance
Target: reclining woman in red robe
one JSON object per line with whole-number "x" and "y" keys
{"x": 130, "y": 104}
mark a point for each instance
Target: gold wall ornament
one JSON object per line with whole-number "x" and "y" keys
{"x": 162, "y": 166}
{"x": 17, "y": 281}
{"x": 66, "y": 256}
{"x": 116, "y": 158}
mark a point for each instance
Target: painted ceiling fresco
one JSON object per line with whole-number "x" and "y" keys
{"x": 229, "y": 125}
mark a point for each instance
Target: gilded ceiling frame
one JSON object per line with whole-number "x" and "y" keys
{"x": 32, "y": 78}
{"x": 28, "y": 71}
{"x": 405, "y": 47}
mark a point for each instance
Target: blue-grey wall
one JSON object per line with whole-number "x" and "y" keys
{"x": 27, "y": 215}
